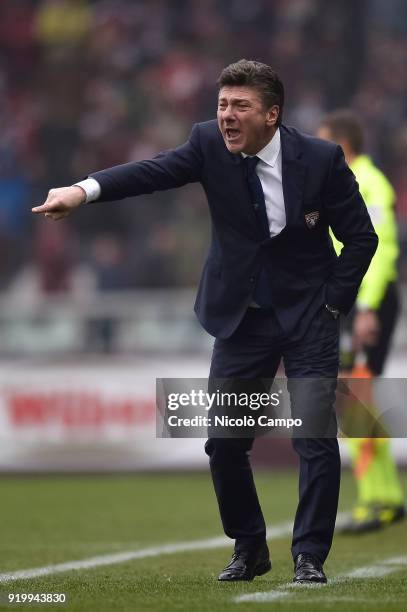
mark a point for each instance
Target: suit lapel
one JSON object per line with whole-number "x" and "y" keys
{"x": 293, "y": 174}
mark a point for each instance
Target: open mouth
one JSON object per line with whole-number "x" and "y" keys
{"x": 232, "y": 133}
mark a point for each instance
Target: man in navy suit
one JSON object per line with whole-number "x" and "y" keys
{"x": 272, "y": 287}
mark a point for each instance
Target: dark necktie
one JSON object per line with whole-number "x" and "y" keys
{"x": 262, "y": 293}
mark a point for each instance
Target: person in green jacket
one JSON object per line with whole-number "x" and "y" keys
{"x": 366, "y": 341}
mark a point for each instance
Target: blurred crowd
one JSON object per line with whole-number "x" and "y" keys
{"x": 88, "y": 84}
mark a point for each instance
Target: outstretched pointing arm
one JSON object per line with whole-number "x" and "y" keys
{"x": 168, "y": 170}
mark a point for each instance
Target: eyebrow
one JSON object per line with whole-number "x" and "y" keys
{"x": 235, "y": 100}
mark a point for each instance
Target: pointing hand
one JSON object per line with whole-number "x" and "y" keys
{"x": 61, "y": 202}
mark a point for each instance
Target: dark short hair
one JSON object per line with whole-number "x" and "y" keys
{"x": 344, "y": 124}
{"x": 248, "y": 73}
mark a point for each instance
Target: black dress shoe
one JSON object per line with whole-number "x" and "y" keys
{"x": 308, "y": 569}
{"x": 246, "y": 563}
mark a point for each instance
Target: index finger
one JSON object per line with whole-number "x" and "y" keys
{"x": 40, "y": 209}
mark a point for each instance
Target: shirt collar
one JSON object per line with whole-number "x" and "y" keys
{"x": 269, "y": 153}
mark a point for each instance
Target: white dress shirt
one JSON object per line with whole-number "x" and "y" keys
{"x": 268, "y": 170}
{"x": 91, "y": 187}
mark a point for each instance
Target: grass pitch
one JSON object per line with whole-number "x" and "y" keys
{"x": 50, "y": 520}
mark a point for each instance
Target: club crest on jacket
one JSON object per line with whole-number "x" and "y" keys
{"x": 311, "y": 219}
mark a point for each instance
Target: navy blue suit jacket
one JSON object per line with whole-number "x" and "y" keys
{"x": 303, "y": 268}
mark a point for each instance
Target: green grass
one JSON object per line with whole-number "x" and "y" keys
{"x": 48, "y": 520}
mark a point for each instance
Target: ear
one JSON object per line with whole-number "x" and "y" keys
{"x": 272, "y": 115}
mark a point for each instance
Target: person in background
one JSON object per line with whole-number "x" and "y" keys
{"x": 366, "y": 335}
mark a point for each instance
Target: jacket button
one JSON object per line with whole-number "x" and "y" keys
{"x": 252, "y": 279}
{"x": 256, "y": 206}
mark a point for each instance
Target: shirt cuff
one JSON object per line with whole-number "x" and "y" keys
{"x": 92, "y": 189}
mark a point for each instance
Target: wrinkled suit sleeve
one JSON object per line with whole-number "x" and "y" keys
{"x": 167, "y": 170}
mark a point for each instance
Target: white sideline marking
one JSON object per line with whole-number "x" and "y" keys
{"x": 273, "y": 533}
{"x": 341, "y": 599}
{"x": 265, "y": 597}
{"x": 373, "y": 571}
{"x": 382, "y": 568}
{"x": 278, "y": 593}
{"x": 396, "y": 561}
{"x": 376, "y": 570}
